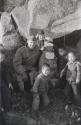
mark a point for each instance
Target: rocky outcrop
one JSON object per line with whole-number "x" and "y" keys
{"x": 41, "y": 14}
{"x": 7, "y": 23}
{"x": 21, "y": 17}
{"x": 10, "y": 4}
{"x": 9, "y": 36}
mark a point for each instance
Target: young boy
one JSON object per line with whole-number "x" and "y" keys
{"x": 73, "y": 76}
{"x": 40, "y": 88}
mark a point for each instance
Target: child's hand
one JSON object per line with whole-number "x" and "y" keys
{"x": 10, "y": 86}
{"x": 77, "y": 81}
{"x": 61, "y": 74}
{"x": 42, "y": 48}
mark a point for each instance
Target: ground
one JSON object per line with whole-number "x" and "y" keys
{"x": 57, "y": 113}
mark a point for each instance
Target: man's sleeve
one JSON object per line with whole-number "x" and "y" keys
{"x": 17, "y": 62}
{"x": 36, "y": 85}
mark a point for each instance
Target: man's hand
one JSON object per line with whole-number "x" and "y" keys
{"x": 61, "y": 74}
{"x": 10, "y": 86}
{"x": 77, "y": 81}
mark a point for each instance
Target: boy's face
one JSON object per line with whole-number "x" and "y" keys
{"x": 31, "y": 44}
{"x": 41, "y": 37}
{"x": 46, "y": 71}
{"x": 2, "y": 57}
{"x": 61, "y": 52}
{"x": 71, "y": 57}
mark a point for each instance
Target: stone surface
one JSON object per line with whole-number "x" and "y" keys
{"x": 11, "y": 41}
{"x": 10, "y": 4}
{"x": 1, "y": 5}
{"x": 7, "y": 22}
{"x": 38, "y": 14}
{"x": 51, "y": 10}
{"x": 21, "y": 17}
{"x": 68, "y": 24}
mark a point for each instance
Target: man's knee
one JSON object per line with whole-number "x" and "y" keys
{"x": 46, "y": 99}
{"x": 20, "y": 82}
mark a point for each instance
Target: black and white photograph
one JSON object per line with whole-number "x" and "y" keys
{"x": 40, "y": 62}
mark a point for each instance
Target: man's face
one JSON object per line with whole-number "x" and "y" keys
{"x": 46, "y": 71}
{"x": 2, "y": 57}
{"x": 31, "y": 44}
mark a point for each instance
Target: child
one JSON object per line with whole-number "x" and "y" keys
{"x": 73, "y": 76}
{"x": 40, "y": 88}
{"x": 49, "y": 56}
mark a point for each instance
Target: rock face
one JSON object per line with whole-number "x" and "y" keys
{"x": 41, "y": 14}
{"x": 10, "y": 4}
{"x": 9, "y": 36}
{"x": 1, "y": 5}
{"x": 7, "y": 23}
{"x": 11, "y": 41}
{"x": 21, "y": 17}
{"x": 44, "y": 11}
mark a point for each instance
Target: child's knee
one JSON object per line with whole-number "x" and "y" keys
{"x": 36, "y": 101}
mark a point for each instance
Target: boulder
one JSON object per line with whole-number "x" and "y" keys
{"x": 7, "y": 23}
{"x": 9, "y": 36}
{"x": 11, "y": 41}
{"x": 40, "y": 14}
{"x": 21, "y": 18}
{"x": 10, "y": 4}
{"x": 1, "y": 5}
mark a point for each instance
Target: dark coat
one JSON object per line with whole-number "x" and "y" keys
{"x": 26, "y": 59}
{"x": 5, "y": 95}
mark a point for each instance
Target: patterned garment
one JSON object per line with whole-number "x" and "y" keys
{"x": 73, "y": 71}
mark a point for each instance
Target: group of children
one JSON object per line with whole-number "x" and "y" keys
{"x": 72, "y": 71}
{"x": 25, "y": 64}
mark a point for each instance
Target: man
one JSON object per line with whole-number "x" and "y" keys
{"x": 5, "y": 85}
{"x": 25, "y": 63}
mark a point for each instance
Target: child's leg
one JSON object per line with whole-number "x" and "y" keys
{"x": 36, "y": 101}
{"x": 68, "y": 93}
{"x": 76, "y": 93}
{"x": 45, "y": 99}
{"x": 35, "y": 105}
